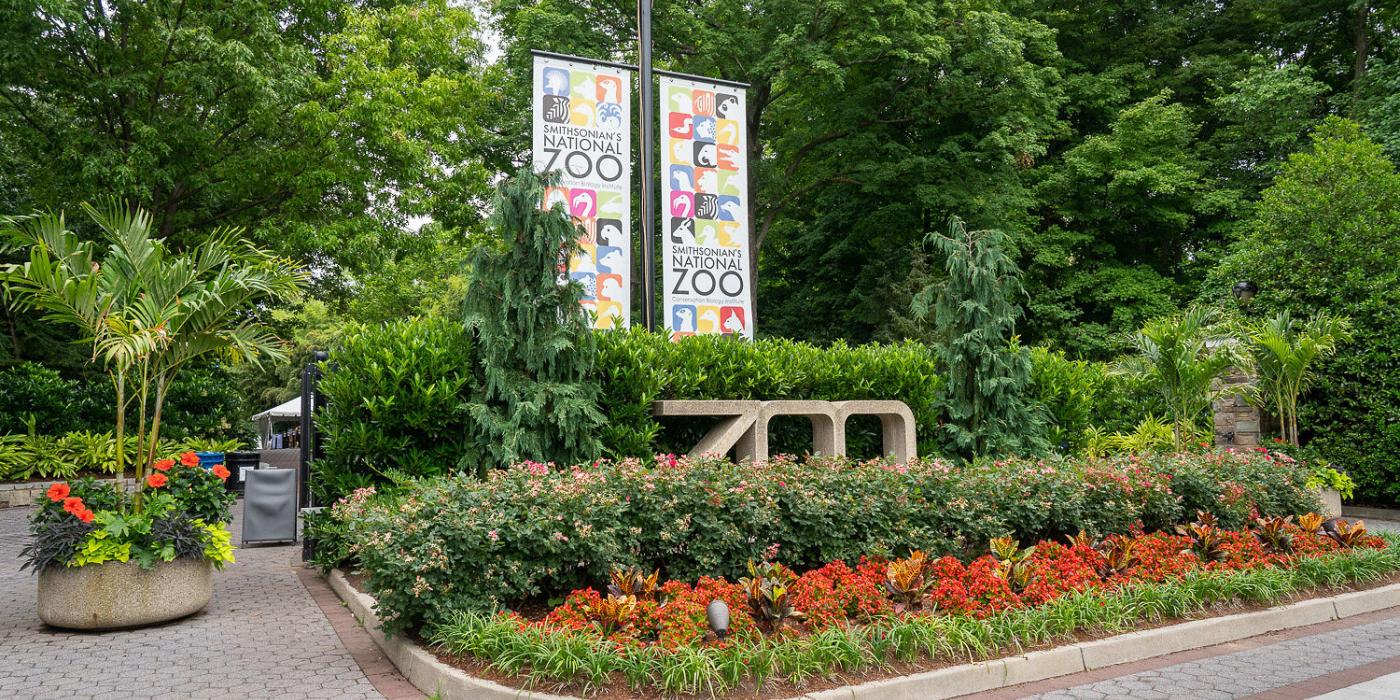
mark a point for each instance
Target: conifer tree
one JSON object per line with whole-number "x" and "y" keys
{"x": 534, "y": 344}
{"x": 986, "y": 374}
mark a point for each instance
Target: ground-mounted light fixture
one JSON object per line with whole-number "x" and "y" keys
{"x": 1244, "y": 291}
{"x": 718, "y": 615}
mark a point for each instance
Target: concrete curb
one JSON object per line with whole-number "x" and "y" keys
{"x": 430, "y": 675}
{"x": 419, "y": 665}
{"x": 1362, "y": 512}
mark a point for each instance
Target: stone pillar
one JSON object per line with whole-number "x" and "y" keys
{"x": 1237, "y": 423}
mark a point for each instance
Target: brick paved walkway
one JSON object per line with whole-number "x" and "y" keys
{"x": 1237, "y": 674}
{"x": 263, "y": 636}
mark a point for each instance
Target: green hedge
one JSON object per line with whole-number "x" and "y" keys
{"x": 395, "y": 393}
{"x": 528, "y": 532}
{"x": 637, "y": 368}
{"x": 1082, "y": 394}
{"x": 394, "y": 404}
{"x": 202, "y": 403}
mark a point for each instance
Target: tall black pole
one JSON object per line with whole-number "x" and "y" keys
{"x": 648, "y": 119}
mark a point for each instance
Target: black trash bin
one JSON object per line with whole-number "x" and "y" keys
{"x": 237, "y": 462}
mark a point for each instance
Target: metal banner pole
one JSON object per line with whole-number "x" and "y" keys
{"x": 648, "y": 199}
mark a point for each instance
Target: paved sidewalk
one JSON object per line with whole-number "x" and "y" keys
{"x": 1239, "y": 674}
{"x": 263, "y": 636}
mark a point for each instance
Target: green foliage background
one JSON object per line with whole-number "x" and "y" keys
{"x": 203, "y": 403}
{"x": 1326, "y": 236}
{"x": 1122, "y": 147}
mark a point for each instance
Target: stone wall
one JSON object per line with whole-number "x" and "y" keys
{"x": 24, "y": 493}
{"x": 1237, "y": 423}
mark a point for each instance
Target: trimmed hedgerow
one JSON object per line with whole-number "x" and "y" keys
{"x": 397, "y": 394}
{"x": 636, "y": 368}
{"x": 533, "y": 531}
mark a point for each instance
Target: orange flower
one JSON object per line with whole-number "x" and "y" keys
{"x": 156, "y": 480}
{"x": 85, "y": 515}
{"x": 189, "y": 459}
{"x": 220, "y": 471}
{"x": 59, "y": 491}
{"x": 164, "y": 465}
{"x": 73, "y": 505}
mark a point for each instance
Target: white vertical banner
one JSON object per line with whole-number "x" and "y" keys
{"x": 582, "y": 130}
{"x": 704, "y": 209}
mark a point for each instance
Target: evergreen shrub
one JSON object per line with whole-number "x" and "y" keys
{"x": 533, "y": 532}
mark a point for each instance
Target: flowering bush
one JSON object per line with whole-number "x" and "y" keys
{"x": 537, "y": 530}
{"x": 186, "y": 509}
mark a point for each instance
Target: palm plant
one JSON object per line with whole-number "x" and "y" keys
{"x": 146, "y": 310}
{"x": 1283, "y": 352}
{"x": 1183, "y": 356}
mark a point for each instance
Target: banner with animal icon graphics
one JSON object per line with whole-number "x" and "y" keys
{"x": 582, "y": 130}
{"x": 704, "y": 209}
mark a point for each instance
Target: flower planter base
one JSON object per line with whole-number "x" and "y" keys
{"x": 1331, "y": 503}
{"x": 424, "y": 670}
{"x": 116, "y": 595}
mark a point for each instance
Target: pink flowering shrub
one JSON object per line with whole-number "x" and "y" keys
{"x": 538, "y": 531}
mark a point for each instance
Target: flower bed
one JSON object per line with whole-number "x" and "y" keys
{"x": 786, "y": 630}
{"x": 534, "y": 532}
{"x": 184, "y": 513}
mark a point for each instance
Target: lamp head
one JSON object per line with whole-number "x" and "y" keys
{"x": 1244, "y": 291}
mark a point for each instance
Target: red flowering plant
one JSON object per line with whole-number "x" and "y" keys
{"x": 1008, "y": 578}
{"x": 85, "y": 522}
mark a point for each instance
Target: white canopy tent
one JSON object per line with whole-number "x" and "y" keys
{"x": 289, "y": 411}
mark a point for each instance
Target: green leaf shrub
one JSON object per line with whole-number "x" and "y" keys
{"x": 202, "y": 403}
{"x": 65, "y": 456}
{"x": 1079, "y": 395}
{"x": 636, "y": 368}
{"x": 459, "y": 543}
{"x": 394, "y": 404}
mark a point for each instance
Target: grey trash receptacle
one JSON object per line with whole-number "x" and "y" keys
{"x": 270, "y": 506}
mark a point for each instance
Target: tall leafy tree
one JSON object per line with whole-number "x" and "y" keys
{"x": 319, "y": 127}
{"x": 986, "y": 374}
{"x": 866, "y": 122}
{"x": 1325, "y": 237}
{"x": 146, "y": 311}
{"x": 1122, "y": 221}
{"x": 534, "y": 342}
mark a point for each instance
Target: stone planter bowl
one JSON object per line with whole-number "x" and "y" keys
{"x": 116, "y": 595}
{"x": 1331, "y": 503}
